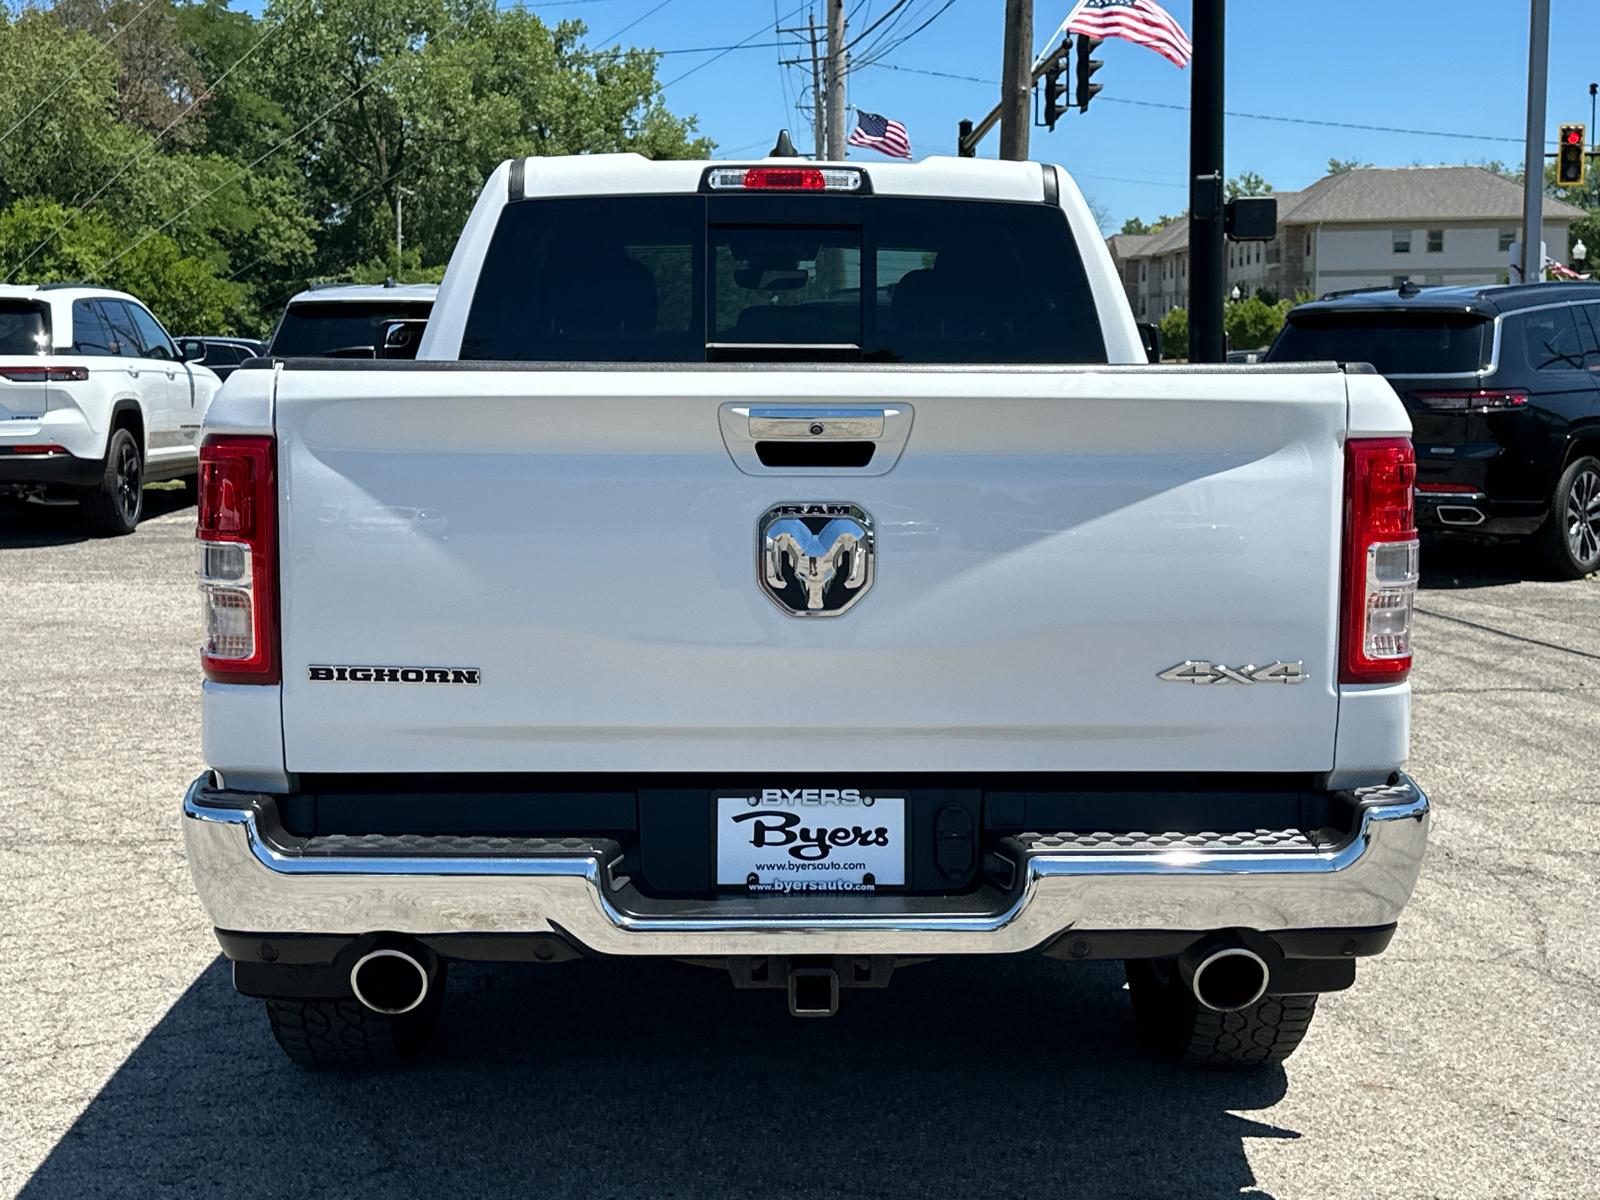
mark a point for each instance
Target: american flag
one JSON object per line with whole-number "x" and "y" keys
{"x": 1142, "y": 22}
{"x": 880, "y": 134}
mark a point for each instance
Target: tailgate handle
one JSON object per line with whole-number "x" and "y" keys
{"x": 818, "y": 423}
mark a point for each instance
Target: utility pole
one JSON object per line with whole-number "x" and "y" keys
{"x": 836, "y": 67}
{"x": 1016, "y": 81}
{"x": 818, "y": 121}
{"x": 400, "y": 193}
{"x": 1206, "y": 342}
{"x": 1533, "y": 158}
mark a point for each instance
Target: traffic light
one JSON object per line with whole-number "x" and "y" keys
{"x": 1086, "y": 67}
{"x": 1570, "y": 160}
{"x": 1056, "y": 98}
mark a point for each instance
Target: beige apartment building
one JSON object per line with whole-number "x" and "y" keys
{"x": 1369, "y": 227}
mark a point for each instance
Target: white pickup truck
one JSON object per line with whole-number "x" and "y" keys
{"x": 797, "y": 569}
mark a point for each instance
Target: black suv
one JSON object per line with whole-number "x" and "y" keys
{"x": 1503, "y": 387}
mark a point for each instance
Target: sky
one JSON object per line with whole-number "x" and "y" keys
{"x": 1440, "y": 66}
{"x": 1435, "y": 66}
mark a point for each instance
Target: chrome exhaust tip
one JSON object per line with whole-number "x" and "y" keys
{"x": 390, "y": 982}
{"x": 1230, "y": 978}
{"x": 1459, "y": 514}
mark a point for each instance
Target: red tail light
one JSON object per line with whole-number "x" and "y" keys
{"x": 1380, "y": 560}
{"x": 1476, "y": 401}
{"x": 45, "y": 374}
{"x": 237, "y": 534}
{"x": 38, "y": 449}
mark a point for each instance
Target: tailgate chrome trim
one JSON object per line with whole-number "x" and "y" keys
{"x": 245, "y": 882}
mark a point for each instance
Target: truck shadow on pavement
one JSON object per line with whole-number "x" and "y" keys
{"x": 33, "y": 525}
{"x": 975, "y": 1077}
{"x": 1447, "y": 565}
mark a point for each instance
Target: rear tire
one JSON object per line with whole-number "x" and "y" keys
{"x": 1568, "y": 543}
{"x": 346, "y": 1035}
{"x": 113, "y": 507}
{"x": 1180, "y": 1029}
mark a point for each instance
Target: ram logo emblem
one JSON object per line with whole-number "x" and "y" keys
{"x": 1194, "y": 671}
{"x": 815, "y": 559}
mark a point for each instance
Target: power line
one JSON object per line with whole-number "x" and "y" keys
{"x": 870, "y": 60}
{"x": 636, "y": 20}
{"x": 1474, "y": 137}
{"x": 861, "y": 37}
{"x": 1471, "y": 137}
{"x": 743, "y": 45}
{"x": 315, "y": 121}
{"x": 940, "y": 74}
{"x": 99, "y": 49}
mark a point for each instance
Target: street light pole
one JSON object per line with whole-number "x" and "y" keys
{"x": 1206, "y": 340}
{"x": 1533, "y": 157}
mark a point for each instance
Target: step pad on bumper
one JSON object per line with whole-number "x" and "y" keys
{"x": 1139, "y": 842}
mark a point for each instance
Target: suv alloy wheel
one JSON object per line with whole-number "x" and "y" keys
{"x": 1569, "y": 541}
{"x": 114, "y": 506}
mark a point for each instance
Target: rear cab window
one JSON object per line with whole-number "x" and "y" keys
{"x": 782, "y": 279}
{"x": 340, "y": 328}
{"x": 1410, "y": 342}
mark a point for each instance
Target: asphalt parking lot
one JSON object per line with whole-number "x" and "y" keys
{"x": 1462, "y": 1064}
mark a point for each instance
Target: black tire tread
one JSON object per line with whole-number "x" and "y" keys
{"x": 344, "y": 1035}
{"x": 1180, "y": 1029}
{"x": 101, "y": 512}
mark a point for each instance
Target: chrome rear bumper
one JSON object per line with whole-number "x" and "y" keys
{"x": 248, "y": 883}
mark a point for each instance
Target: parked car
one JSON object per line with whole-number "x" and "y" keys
{"x": 1503, "y": 387}
{"x": 221, "y": 354}
{"x": 762, "y": 617}
{"x": 347, "y": 320}
{"x": 96, "y": 400}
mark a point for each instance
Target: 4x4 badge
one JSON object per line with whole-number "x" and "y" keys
{"x": 1193, "y": 671}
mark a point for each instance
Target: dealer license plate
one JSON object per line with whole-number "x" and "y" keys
{"x": 810, "y": 841}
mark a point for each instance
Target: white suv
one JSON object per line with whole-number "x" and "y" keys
{"x": 95, "y": 400}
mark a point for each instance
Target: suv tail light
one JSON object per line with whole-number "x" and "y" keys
{"x": 1380, "y": 560}
{"x": 238, "y": 546}
{"x": 1477, "y": 401}
{"x": 45, "y": 374}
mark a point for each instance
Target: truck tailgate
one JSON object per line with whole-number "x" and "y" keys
{"x": 1049, "y": 542}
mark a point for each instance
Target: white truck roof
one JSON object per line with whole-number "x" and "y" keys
{"x": 358, "y": 292}
{"x": 633, "y": 174}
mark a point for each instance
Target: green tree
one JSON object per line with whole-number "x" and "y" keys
{"x": 1338, "y": 166}
{"x": 1135, "y": 225}
{"x": 181, "y": 289}
{"x": 158, "y": 84}
{"x": 1252, "y": 323}
{"x": 431, "y": 96}
{"x": 1248, "y": 184}
{"x": 1175, "y": 334}
{"x": 58, "y": 125}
